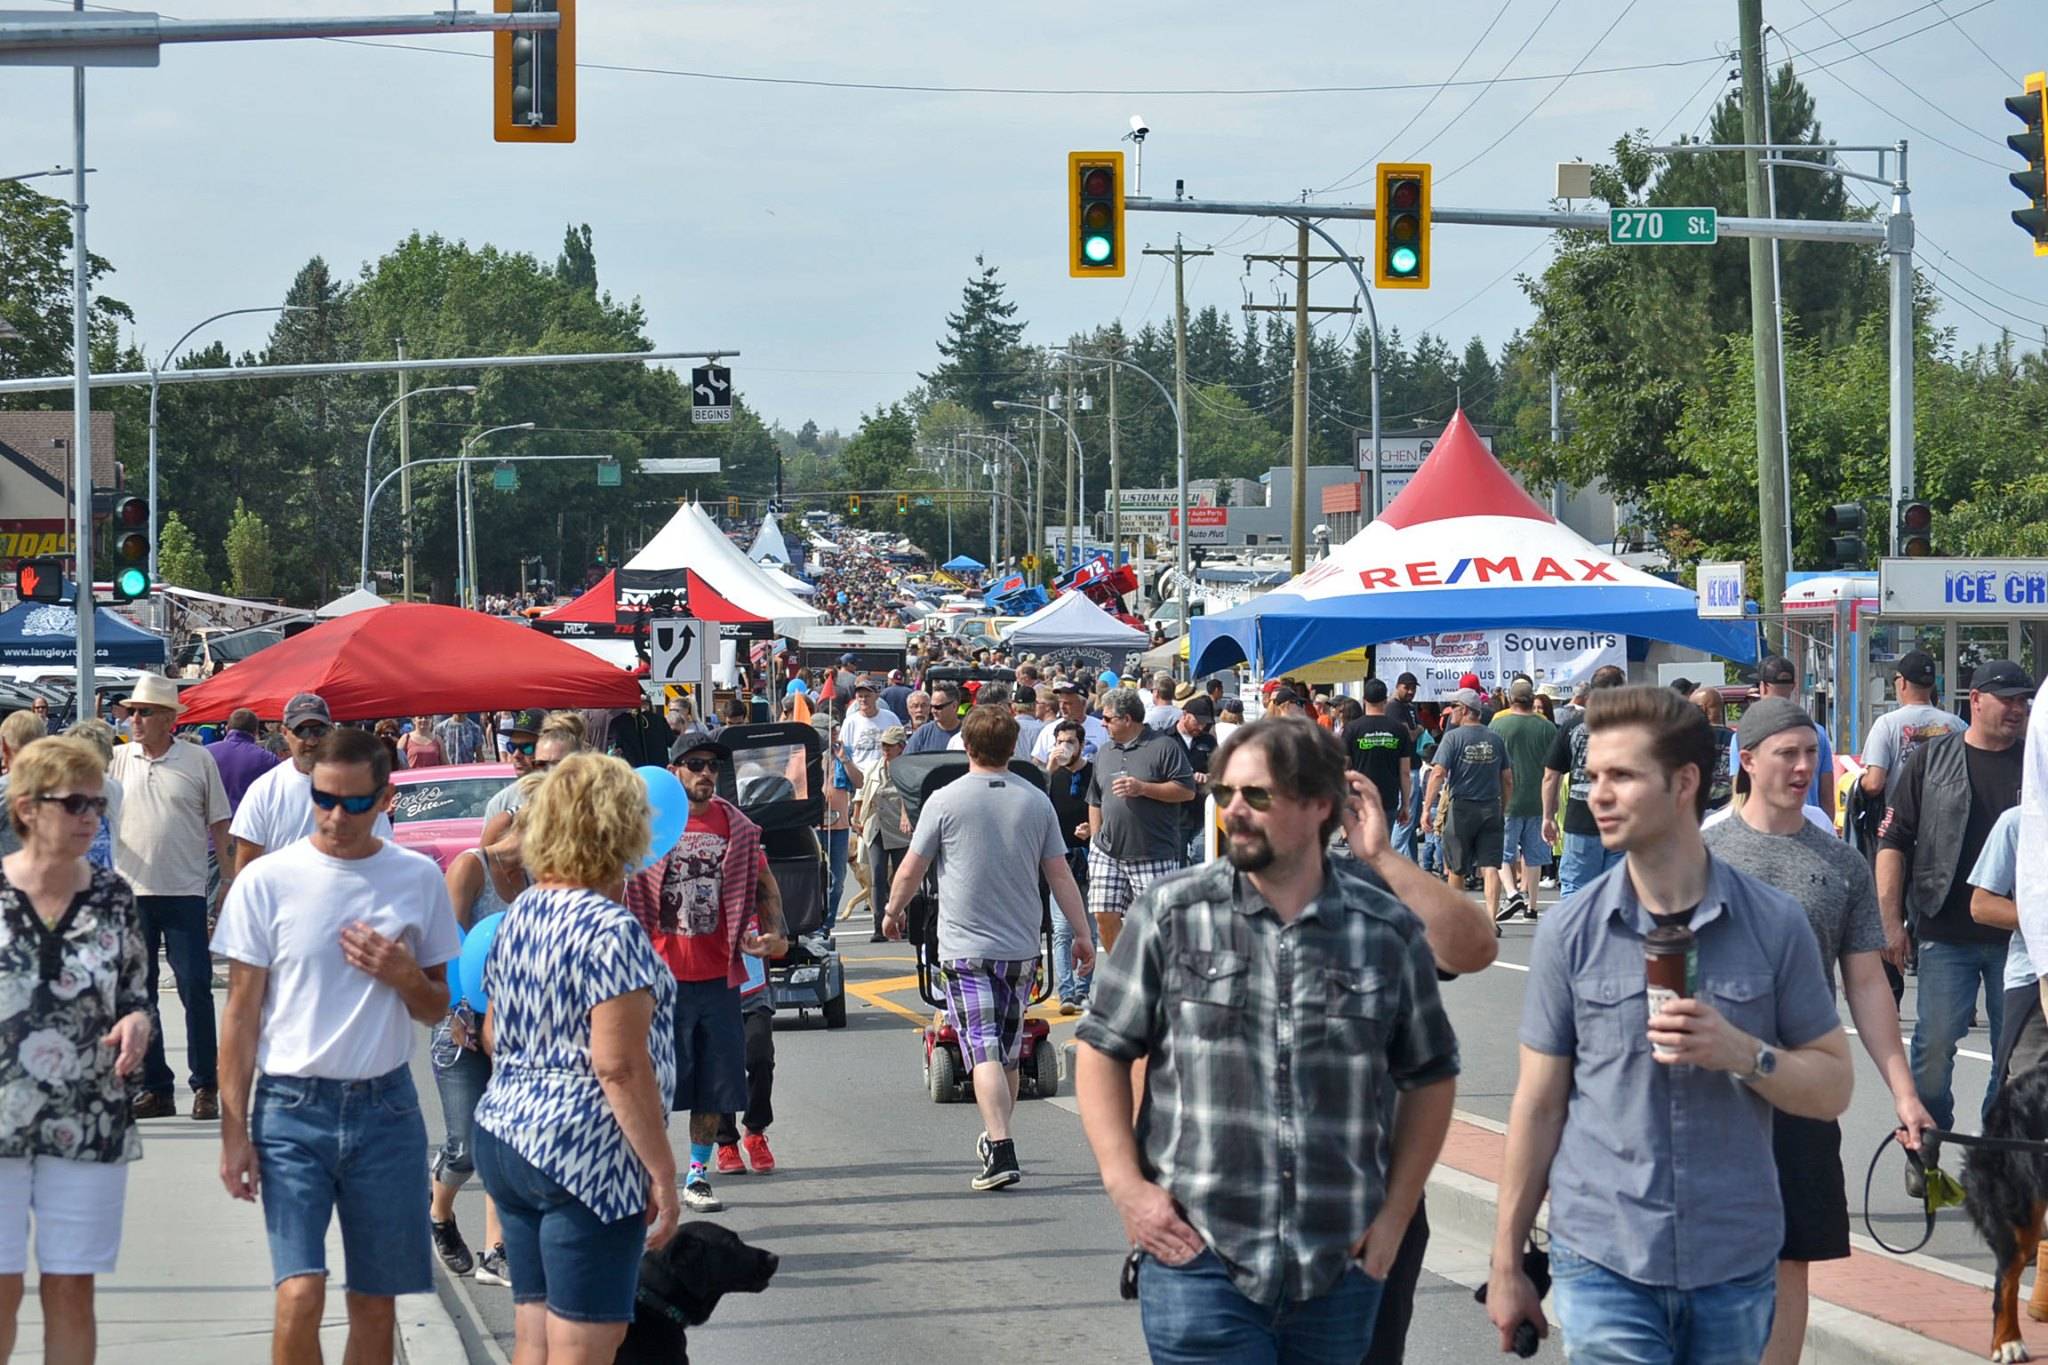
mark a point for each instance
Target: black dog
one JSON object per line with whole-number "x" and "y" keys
{"x": 682, "y": 1283}
{"x": 2005, "y": 1194}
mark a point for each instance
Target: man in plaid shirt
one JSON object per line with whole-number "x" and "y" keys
{"x": 1301, "y": 1071}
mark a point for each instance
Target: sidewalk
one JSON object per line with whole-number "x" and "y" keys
{"x": 194, "y": 1278}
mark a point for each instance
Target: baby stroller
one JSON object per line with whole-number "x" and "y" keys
{"x": 777, "y": 778}
{"x": 946, "y": 1075}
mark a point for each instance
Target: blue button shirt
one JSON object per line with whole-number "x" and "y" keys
{"x": 1664, "y": 1174}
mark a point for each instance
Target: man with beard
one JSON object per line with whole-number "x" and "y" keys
{"x": 1255, "y": 987}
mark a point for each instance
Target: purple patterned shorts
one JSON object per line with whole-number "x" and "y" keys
{"x": 986, "y": 997}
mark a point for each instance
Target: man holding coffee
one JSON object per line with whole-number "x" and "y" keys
{"x": 1648, "y": 1126}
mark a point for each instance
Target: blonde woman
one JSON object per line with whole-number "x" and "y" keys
{"x": 571, "y": 1134}
{"x": 73, "y": 999}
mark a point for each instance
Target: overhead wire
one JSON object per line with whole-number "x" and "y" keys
{"x": 1969, "y": 38}
{"x": 1892, "y": 114}
{"x": 1887, "y": 73}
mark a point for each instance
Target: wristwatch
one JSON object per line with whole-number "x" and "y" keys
{"x": 1763, "y": 1067}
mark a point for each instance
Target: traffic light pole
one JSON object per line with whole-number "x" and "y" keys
{"x": 84, "y": 702}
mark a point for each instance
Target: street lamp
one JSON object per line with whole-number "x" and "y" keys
{"x": 156, "y": 369}
{"x": 1080, "y": 464}
{"x": 465, "y": 514}
{"x": 369, "y": 449}
{"x": 1180, "y": 441}
{"x": 1030, "y": 478}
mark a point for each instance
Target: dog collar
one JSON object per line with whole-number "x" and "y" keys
{"x": 667, "y": 1310}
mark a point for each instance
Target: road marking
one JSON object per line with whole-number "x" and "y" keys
{"x": 876, "y": 993}
{"x": 1510, "y": 966}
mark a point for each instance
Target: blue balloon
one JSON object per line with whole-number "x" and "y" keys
{"x": 475, "y": 949}
{"x": 669, "y": 806}
{"x": 455, "y": 972}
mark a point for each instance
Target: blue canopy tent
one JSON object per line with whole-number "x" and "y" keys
{"x": 963, "y": 564}
{"x": 1462, "y": 548}
{"x": 47, "y": 633}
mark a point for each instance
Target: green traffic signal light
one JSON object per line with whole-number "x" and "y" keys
{"x": 131, "y": 584}
{"x": 1403, "y": 261}
{"x": 1096, "y": 248}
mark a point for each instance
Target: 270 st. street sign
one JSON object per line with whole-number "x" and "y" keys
{"x": 1663, "y": 227}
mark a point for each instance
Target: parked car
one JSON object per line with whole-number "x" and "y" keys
{"x": 440, "y": 811}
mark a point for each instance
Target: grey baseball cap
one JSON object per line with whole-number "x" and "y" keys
{"x": 304, "y": 707}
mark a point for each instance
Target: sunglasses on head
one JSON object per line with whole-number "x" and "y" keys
{"x": 1258, "y": 798}
{"x": 354, "y": 805}
{"x": 76, "y": 803}
{"x": 697, "y": 764}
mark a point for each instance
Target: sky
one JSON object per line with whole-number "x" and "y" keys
{"x": 820, "y": 235}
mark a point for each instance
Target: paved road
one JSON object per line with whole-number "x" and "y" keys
{"x": 888, "y": 1256}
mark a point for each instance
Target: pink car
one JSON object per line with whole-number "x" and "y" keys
{"x": 440, "y": 811}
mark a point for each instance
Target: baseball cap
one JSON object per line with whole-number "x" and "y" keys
{"x": 1233, "y": 706}
{"x": 2001, "y": 678}
{"x": 1468, "y": 697}
{"x": 1201, "y": 708}
{"x": 1470, "y": 680}
{"x": 1286, "y": 696}
{"x": 864, "y": 684}
{"x": 304, "y": 707}
{"x": 1407, "y": 680}
{"x": 892, "y": 734}
{"x": 1776, "y": 669}
{"x": 1770, "y": 716}
{"x": 529, "y": 721}
{"x": 691, "y": 741}
{"x": 1916, "y": 668}
{"x": 1521, "y": 689}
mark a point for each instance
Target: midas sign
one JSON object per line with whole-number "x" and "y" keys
{"x": 24, "y": 544}
{"x": 1435, "y": 573}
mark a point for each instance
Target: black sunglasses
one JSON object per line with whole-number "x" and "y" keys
{"x": 312, "y": 731}
{"x": 1258, "y": 798}
{"x": 698, "y": 765}
{"x": 77, "y": 803}
{"x": 354, "y": 805}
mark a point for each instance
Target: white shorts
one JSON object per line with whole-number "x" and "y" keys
{"x": 77, "y": 1210}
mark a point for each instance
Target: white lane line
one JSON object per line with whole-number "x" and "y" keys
{"x": 1510, "y": 966}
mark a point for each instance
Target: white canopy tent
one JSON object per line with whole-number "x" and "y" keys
{"x": 769, "y": 546}
{"x": 1072, "y": 629}
{"x": 692, "y": 544}
{"x": 351, "y": 602}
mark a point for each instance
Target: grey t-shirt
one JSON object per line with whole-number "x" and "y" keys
{"x": 1829, "y": 879}
{"x": 1895, "y": 734}
{"x": 987, "y": 834}
{"x": 1472, "y": 755}
{"x": 1137, "y": 829}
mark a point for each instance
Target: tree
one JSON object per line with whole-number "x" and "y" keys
{"x": 577, "y": 265}
{"x": 983, "y": 360}
{"x": 807, "y": 436}
{"x": 35, "y": 293}
{"x": 180, "y": 562}
{"x": 252, "y": 565}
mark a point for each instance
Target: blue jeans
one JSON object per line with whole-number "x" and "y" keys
{"x": 1608, "y": 1319}
{"x": 1404, "y": 835}
{"x": 357, "y": 1148}
{"x": 1070, "y": 985}
{"x": 558, "y": 1251}
{"x": 460, "y": 1075}
{"x": 1195, "y": 1315}
{"x": 1585, "y": 858}
{"x": 1952, "y": 976}
{"x": 835, "y": 849}
{"x": 179, "y": 923}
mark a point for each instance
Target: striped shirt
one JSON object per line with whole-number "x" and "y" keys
{"x": 1277, "y": 1052}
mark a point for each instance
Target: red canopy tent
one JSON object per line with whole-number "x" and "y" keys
{"x": 410, "y": 659}
{"x": 595, "y": 613}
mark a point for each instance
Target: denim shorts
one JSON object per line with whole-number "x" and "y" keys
{"x": 1523, "y": 835}
{"x": 357, "y": 1148}
{"x": 460, "y": 1074}
{"x": 585, "y": 1269}
{"x": 1608, "y": 1319}
{"x": 711, "y": 1049}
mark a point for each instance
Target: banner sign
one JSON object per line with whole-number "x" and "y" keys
{"x": 1563, "y": 657}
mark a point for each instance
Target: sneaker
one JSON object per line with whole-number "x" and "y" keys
{"x": 698, "y": 1196}
{"x": 1069, "y": 1007}
{"x": 1507, "y": 909}
{"x": 151, "y": 1105}
{"x": 999, "y": 1166}
{"x": 1547, "y": 883}
{"x": 728, "y": 1159}
{"x": 491, "y": 1267}
{"x": 758, "y": 1155}
{"x": 453, "y": 1251}
{"x": 1530, "y": 912}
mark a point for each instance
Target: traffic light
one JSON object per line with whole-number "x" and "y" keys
{"x": 128, "y": 543}
{"x": 853, "y": 504}
{"x": 533, "y": 76}
{"x": 1401, "y": 226}
{"x": 40, "y": 579}
{"x": 1915, "y": 538}
{"x": 732, "y": 509}
{"x": 2032, "y": 110}
{"x": 1843, "y": 547}
{"x": 1095, "y": 215}
{"x": 902, "y": 503}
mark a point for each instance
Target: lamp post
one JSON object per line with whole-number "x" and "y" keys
{"x": 370, "y": 505}
{"x": 369, "y": 449}
{"x": 1180, "y": 441}
{"x": 156, "y": 370}
{"x": 1080, "y": 464}
{"x": 1030, "y": 479}
{"x": 465, "y": 515}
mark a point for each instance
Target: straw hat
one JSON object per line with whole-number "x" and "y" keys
{"x": 153, "y": 689}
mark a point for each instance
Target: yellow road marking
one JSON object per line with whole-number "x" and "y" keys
{"x": 877, "y": 993}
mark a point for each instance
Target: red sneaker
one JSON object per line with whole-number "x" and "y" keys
{"x": 758, "y": 1155}
{"x": 728, "y": 1159}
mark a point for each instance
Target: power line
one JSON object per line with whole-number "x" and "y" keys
{"x": 1892, "y": 114}
{"x": 1887, "y": 73}
{"x": 1498, "y": 76}
{"x": 1968, "y": 38}
{"x": 1658, "y": 136}
{"x": 1489, "y": 286}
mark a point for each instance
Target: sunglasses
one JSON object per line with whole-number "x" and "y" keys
{"x": 1258, "y": 798}
{"x": 354, "y": 805}
{"x": 145, "y": 712}
{"x": 523, "y": 747}
{"x": 77, "y": 803}
{"x": 698, "y": 765}
{"x": 312, "y": 731}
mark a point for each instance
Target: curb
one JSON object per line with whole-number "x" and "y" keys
{"x": 444, "y": 1327}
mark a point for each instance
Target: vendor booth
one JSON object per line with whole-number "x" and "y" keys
{"x": 1462, "y": 547}
{"x": 1073, "y": 630}
{"x": 47, "y": 633}
{"x": 690, "y": 569}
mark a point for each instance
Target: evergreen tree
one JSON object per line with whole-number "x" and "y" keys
{"x": 577, "y": 265}
{"x": 252, "y": 564}
{"x": 983, "y": 360}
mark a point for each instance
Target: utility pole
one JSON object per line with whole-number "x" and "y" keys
{"x": 1038, "y": 490}
{"x": 1073, "y": 553}
{"x": 404, "y": 463}
{"x": 1116, "y": 482}
{"x": 86, "y": 702}
{"x": 1301, "y": 261}
{"x": 1180, "y": 256}
{"x": 1771, "y": 493}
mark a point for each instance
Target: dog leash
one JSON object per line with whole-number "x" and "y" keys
{"x": 1940, "y": 1190}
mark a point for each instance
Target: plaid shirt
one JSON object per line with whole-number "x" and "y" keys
{"x": 1276, "y": 1054}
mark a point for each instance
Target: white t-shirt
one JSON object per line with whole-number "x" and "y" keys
{"x": 862, "y": 735}
{"x": 1094, "y": 734}
{"x": 321, "y": 1016}
{"x": 278, "y": 810}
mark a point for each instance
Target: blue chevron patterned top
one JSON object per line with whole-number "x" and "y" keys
{"x": 558, "y": 955}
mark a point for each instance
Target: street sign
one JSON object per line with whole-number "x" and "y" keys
{"x": 921, "y": 500}
{"x": 1720, "y": 589}
{"x": 687, "y": 465}
{"x": 1400, "y": 452}
{"x": 1662, "y": 226}
{"x": 711, "y": 393}
{"x": 608, "y": 474}
{"x": 676, "y": 649}
{"x": 504, "y": 479}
